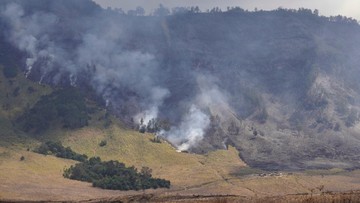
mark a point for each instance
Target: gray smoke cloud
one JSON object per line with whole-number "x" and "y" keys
{"x": 280, "y": 85}
{"x": 110, "y": 66}
{"x": 190, "y": 131}
{"x": 196, "y": 121}
{"x": 113, "y": 67}
{"x": 31, "y": 34}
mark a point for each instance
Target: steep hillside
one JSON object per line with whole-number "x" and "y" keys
{"x": 76, "y": 118}
{"x": 281, "y": 86}
{"x": 26, "y": 175}
{"x": 16, "y": 95}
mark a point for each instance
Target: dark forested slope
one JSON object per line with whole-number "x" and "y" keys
{"x": 279, "y": 85}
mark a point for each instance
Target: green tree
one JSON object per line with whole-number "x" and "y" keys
{"x": 10, "y": 71}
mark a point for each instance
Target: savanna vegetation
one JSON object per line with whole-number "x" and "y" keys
{"x": 58, "y": 150}
{"x": 64, "y": 106}
{"x": 114, "y": 175}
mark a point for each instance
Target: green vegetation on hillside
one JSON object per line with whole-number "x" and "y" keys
{"x": 66, "y": 106}
{"x": 57, "y": 149}
{"x": 114, "y": 175}
{"x": 10, "y": 72}
{"x": 107, "y": 175}
{"x": 9, "y": 58}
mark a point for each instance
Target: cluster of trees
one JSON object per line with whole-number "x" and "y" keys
{"x": 9, "y": 57}
{"x": 58, "y": 150}
{"x": 164, "y": 11}
{"x": 309, "y": 12}
{"x": 66, "y": 106}
{"x": 153, "y": 125}
{"x": 114, "y": 175}
{"x": 160, "y": 11}
{"x": 9, "y": 71}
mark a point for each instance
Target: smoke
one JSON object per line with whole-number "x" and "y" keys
{"x": 196, "y": 121}
{"x": 211, "y": 95}
{"x": 30, "y": 34}
{"x": 98, "y": 54}
{"x": 190, "y": 131}
{"x": 248, "y": 80}
{"x": 158, "y": 95}
{"x": 110, "y": 67}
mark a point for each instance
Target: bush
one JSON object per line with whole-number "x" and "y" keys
{"x": 10, "y": 71}
{"x": 156, "y": 139}
{"x": 31, "y": 90}
{"x": 66, "y": 106}
{"x": 16, "y": 92}
{"x": 142, "y": 129}
{"x": 102, "y": 143}
{"x": 58, "y": 150}
{"x": 114, "y": 175}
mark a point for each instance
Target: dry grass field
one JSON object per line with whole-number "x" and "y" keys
{"x": 218, "y": 176}
{"x": 194, "y": 178}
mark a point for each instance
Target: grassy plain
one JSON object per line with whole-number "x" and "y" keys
{"x": 218, "y": 176}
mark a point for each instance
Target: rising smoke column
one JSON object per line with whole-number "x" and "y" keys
{"x": 113, "y": 68}
{"x": 30, "y": 34}
{"x": 190, "y": 131}
{"x": 116, "y": 68}
{"x": 196, "y": 121}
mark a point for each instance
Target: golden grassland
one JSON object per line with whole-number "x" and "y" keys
{"x": 136, "y": 149}
{"x": 218, "y": 176}
{"x": 39, "y": 177}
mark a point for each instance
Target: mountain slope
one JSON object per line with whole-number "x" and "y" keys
{"x": 281, "y": 86}
{"x": 28, "y": 176}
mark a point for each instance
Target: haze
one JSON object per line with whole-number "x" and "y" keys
{"x": 350, "y": 8}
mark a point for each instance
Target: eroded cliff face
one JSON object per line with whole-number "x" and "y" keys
{"x": 294, "y": 137}
{"x": 279, "y": 85}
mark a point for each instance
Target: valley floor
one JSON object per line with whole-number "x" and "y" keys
{"x": 215, "y": 177}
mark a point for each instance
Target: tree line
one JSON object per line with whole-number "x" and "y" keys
{"x": 112, "y": 175}
{"x": 58, "y": 150}
{"x": 161, "y": 10}
{"x": 65, "y": 106}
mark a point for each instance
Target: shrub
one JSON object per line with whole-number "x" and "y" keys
{"x": 156, "y": 139}
{"x": 142, "y": 129}
{"x": 114, "y": 175}
{"x": 10, "y": 71}
{"x": 16, "y": 92}
{"x": 31, "y": 90}
{"x": 58, "y": 150}
{"x": 102, "y": 143}
{"x": 66, "y": 106}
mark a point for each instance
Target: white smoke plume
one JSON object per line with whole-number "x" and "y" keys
{"x": 210, "y": 93}
{"x": 194, "y": 124}
{"x": 190, "y": 131}
{"x": 158, "y": 95}
{"x": 111, "y": 67}
{"x": 30, "y": 33}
